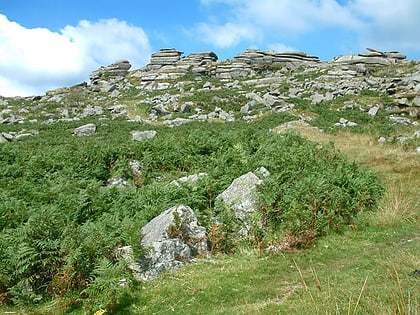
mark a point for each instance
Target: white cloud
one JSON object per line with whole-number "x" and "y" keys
{"x": 35, "y": 60}
{"x": 109, "y": 40}
{"x": 295, "y": 17}
{"x": 226, "y": 35}
{"x": 388, "y": 24}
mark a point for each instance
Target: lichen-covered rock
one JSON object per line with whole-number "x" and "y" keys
{"x": 188, "y": 180}
{"x": 173, "y": 238}
{"x": 143, "y": 135}
{"x": 241, "y": 196}
{"x": 116, "y": 70}
{"x": 85, "y": 130}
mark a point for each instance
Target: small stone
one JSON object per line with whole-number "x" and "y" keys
{"x": 343, "y": 121}
{"x": 374, "y": 111}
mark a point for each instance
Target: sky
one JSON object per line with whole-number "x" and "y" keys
{"x": 47, "y": 44}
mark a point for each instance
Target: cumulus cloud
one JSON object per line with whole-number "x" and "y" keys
{"x": 385, "y": 23}
{"x": 226, "y": 35}
{"x": 282, "y": 18}
{"x": 35, "y": 60}
{"x": 389, "y": 24}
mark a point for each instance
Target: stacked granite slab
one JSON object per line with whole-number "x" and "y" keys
{"x": 118, "y": 69}
{"x": 248, "y": 62}
{"x": 257, "y": 57}
{"x": 198, "y": 63}
{"x": 167, "y": 64}
{"x": 164, "y": 57}
{"x": 372, "y": 57}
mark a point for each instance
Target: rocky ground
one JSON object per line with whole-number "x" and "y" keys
{"x": 254, "y": 81}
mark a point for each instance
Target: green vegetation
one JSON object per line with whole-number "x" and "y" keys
{"x": 337, "y": 231}
{"x": 61, "y": 224}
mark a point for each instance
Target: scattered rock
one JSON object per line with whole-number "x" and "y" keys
{"x": 117, "y": 181}
{"x": 399, "y": 120}
{"x": 241, "y": 196}
{"x": 345, "y": 123}
{"x": 373, "y": 111}
{"x": 188, "y": 180}
{"x": 85, "y": 130}
{"x": 16, "y": 135}
{"x": 143, "y": 135}
{"x": 173, "y": 239}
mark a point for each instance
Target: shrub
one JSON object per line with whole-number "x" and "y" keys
{"x": 312, "y": 188}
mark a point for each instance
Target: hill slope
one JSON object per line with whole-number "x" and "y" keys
{"x": 84, "y": 168}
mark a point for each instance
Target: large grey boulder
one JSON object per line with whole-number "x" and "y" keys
{"x": 143, "y": 135}
{"x": 166, "y": 255}
{"x": 118, "y": 69}
{"x": 85, "y": 130}
{"x": 173, "y": 238}
{"x": 164, "y": 57}
{"x": 241, "y": 196}
{"x": 3, "y": 139}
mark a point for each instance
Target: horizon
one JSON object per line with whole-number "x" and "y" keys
{"x": 48, "y": 45}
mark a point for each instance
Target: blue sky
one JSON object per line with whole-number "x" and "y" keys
{"x": 45, "y": 44}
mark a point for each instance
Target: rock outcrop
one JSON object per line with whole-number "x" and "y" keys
{"x": 371, "y": 57}
{"x": 118, "y": 69}
{"x": 256, "y": 57}
{"x": 172, "y": 239}
{"x": 85, "y": 130}
{"x": 241, "y": 196}
{"x": 143, "y": 135}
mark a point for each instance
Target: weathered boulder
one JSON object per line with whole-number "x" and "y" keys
{"x": 233, "y": 70}
{"x": 173, "y": 238}
{"x": 164, "y": 57}
{"x": 85, "y": 130}
{"x": 343, "y": 122}
{"x": 188, "y": 180}
{"x": 241, "y": 196}
{"x": 117, "y": 181}
{"x": 373, "y": 111}
{"x": 3, "y": 139}
{"x": 16, "y": 135}
{"x": 257, "y": 58}
{"x": 199, "y": 59}
{"x": 400, "y": 120}
{"x": 371, "y": 57}
{"x": 176, "y": 122}
{"x": 143, "y": 135}
{"x": 118, "y": 69}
